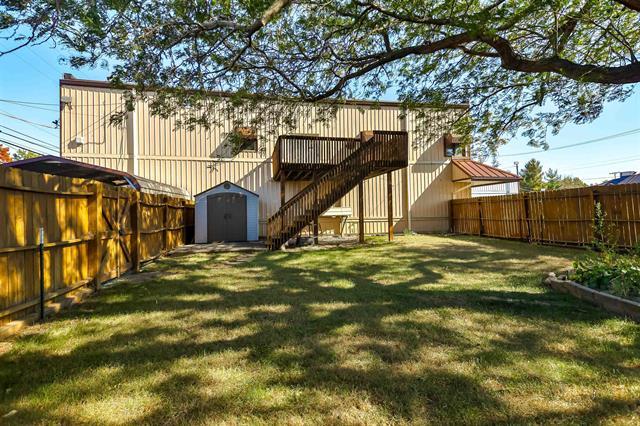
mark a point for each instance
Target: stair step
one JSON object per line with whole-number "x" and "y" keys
{"x": 370, "y": 162}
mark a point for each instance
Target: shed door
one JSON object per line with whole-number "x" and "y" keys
{"x": 227, "y": 217}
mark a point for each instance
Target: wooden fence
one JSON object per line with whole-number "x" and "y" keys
{"x": 92, "y": 232}
{"x": 553, "y": 217}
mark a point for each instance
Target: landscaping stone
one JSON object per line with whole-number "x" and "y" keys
{"x": 614, "y": 304}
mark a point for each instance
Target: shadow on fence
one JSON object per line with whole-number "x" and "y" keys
{"x": 563, "y": 217}
{"x": 92, "y": 232}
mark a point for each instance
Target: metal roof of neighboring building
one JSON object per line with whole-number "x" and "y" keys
{"x": 60, "y": 166}
{"x": 624, "y": 180}
{"x": 476, "y": 171}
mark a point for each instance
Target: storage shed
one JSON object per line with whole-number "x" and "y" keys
{"x": 226, "y": 212}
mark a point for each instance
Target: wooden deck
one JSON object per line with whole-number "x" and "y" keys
{"x": 336, "y": 166}
{"x": 299, "y": 157}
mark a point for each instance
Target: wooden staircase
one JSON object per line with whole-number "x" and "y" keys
{"x": 380, "y": 152}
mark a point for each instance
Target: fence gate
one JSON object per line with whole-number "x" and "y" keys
{"x": 115, "y": 247}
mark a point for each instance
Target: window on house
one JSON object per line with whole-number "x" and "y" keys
{"x": 243, "y": 139}
{"x": 452, "y": 145}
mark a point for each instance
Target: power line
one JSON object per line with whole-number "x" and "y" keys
{"x": 56, "y": 67}
{"x": 19, "y": 56}
{"x": 26, "y": 135}
{"x": 26, "y": 102}
{"x": 15, "y": 145}
{"x": 47, "y": 63}
{"x": 28, "y": 141}
{"x": 606, "y": 163}
{"x": 596, "y": 163}
{"x": 598, "y": 178}
{"x": 17, "y": 103}
{"x": 26, "y": 121}
{"x": 41, "y": 145}
{"x": 604, "y": 138}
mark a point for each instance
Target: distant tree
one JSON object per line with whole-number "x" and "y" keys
{"x": 4, "y": 154}
{"x": 23, "y": 154}
{"x": 532, "y": 176}
{"x": 568, "y": 182}
{"x": 552, "y": 179}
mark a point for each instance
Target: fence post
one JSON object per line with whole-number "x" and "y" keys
{"x": 165, "y": 224}
{"x": 95, "y": 227}
{"x": 451, "y": 218}
{"x": 135, "y": 231}
{"x": 480, "y": 227}
{"x": 183, "y": 224}
{"x": 41, "y": 270}
{"x": 525, "y": 200}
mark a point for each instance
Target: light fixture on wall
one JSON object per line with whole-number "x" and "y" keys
{"x": 65, "y": 100}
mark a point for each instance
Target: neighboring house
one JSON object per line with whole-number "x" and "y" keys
{"x": 497, "y": 189}
{"x": 154, "y": 148}
{"x": 624, "y": 178}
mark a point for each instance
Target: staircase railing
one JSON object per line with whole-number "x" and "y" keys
{"x": 380, "y": 150}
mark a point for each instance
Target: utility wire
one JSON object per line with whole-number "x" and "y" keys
{"x": 598, "y": 178}
{"x": 57, "y": 68}
{"x": 28, "y": 141}
{"x": 17, "y": 103}
{"x": 27, "y": 121}
{"x": 604, "y": 138}
{"x": 19, "y": 56}
{"x": 26, "y": 135}
{"x": 607, "y": 163}
{"x": 15, "y": 145}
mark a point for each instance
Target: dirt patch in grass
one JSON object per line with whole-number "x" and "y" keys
{"x": 425, "y": 330}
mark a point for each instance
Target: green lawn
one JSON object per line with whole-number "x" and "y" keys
{"x": 424, "y": 330}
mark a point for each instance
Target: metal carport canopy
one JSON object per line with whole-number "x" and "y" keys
{"x": 60, "y": 166}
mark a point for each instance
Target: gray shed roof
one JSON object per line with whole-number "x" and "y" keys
{"x": 227, "y": 182}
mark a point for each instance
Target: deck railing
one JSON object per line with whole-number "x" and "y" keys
{"x": 298, "y": 156}
{"x": 378, "y": 153}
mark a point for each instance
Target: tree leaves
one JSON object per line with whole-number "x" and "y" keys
{"x": 523, "y": 67}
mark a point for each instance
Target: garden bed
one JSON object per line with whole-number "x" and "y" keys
{"x": 617, "y": 305}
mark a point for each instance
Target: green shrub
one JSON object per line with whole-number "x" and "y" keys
{"x": 616, "y": 273}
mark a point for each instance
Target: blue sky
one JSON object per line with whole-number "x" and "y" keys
{"x": 32, "y": 74}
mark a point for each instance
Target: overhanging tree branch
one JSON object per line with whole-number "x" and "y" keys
{"x": 510, "y": 60}
{"x": 631, "y": 4}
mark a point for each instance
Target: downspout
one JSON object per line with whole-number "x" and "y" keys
{"x": 403, "y": 127}
{"x": 132, "y": 140}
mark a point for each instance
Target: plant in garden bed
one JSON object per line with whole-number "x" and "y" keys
{"x": 606, "y": 269}
{"x": 616, "y": 273}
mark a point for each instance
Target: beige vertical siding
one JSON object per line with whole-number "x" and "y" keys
{"x": 197, "y": 159}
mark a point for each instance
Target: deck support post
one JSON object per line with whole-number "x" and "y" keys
{"x": 316, "y": 213}
{"x": 390, "y": 205}
{"x": 283, "y": 181}
{"x": 360, "y": 212}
